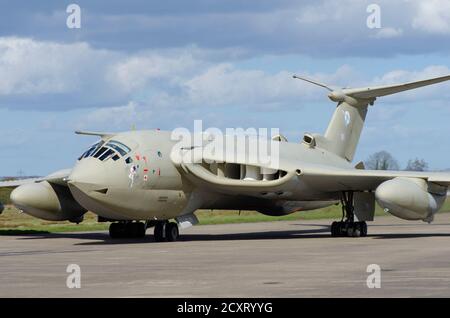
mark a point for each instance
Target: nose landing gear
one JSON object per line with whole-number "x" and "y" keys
{"x": 166, "y": 231}
{"x": 347, "y": 226}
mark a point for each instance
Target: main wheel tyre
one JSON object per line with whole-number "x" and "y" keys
{"x": 356, "y": 227}
{"x": 118, "y": 230}
{"x": 172, "y": 232}
{"x": 159, "y": 232}
{"x": 131, "y": 230}
{"x": 334, "y": 229}
{"x": 113, "y": 230}
{"x": 140, "y": 229}
{"x": 363, "y": 226}
{"x": 135, "y": 230}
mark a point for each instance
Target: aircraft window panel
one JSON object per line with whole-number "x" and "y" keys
{"x": 106, "y": 154}
{"x": 82, "y": 156}
{"x": 94, "y": 149}
{"x": 90, "y": 150}
{"x": 119, "y": 147}
{"x": 125, "y": 147}
{"x": 100, "y": 152}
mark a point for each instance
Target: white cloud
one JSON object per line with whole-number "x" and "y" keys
{"x": 387, "y": 33}
{"x": 316, "y": 28}
{"x": 137, "y": 71}
{"x": 34, "y": 67}
{"x": 329, "y": 11}
{"x": 224, "y": 84}
{"x": 432, "y": 16}
{"x": 399, "y": 76}
{"x": 168, "y": 80}
{"x": 111, "y": 117}
{"x": 67, "y": 76}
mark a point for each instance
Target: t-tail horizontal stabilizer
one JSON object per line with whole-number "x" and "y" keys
{"x": 369, "y": 94}
{"x": 344, "y": 129}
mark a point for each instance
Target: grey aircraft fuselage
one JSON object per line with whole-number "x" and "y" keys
{"x": 160, "y": 189}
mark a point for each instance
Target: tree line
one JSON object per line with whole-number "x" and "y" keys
{"x": 383, "y": 160}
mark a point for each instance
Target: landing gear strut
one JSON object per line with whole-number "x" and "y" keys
{"x": 127, "y": 230}
{"x": 166, "y": 231}
{"x": 347, "y": 226}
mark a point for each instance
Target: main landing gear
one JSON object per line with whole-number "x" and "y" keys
{"x": 166, "y": 231}
{"x": 347, "y": 226}
{"x": 127, "y": 229}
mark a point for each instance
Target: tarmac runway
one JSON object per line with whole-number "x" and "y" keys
{"x": 275, "y": 259}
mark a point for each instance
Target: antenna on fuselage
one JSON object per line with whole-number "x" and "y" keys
{"x": 313, "y": 82}
{"x": 103, "y": 135}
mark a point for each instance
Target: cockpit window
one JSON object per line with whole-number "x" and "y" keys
{"x": 106, "y": 154}
{"x": 91, "y": 150}
{"x": 119, "y": 147}
{"x": 102, "y": 151}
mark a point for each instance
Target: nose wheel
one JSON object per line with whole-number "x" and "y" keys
{"x": 347, "y": 226}
{"x": 166, "y": 231}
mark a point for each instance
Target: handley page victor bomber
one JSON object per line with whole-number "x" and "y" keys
{"x": 143, "y": 179}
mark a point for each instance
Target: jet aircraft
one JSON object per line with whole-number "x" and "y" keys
{"x": 140, "y": 179}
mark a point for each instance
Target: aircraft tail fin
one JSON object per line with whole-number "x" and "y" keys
{"x": 346, "y": 125}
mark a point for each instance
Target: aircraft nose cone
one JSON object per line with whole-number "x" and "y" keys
{"x": 89, "y": 182}
{"x": 89, "y": 173}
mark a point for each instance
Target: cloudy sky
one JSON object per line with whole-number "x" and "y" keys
{"x": 163, "y": 64}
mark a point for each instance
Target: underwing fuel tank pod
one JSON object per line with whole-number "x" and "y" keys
{"x": 410, "y": 198}
{"x": 48, "y": 201}
{"x": 150, "y": 178}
